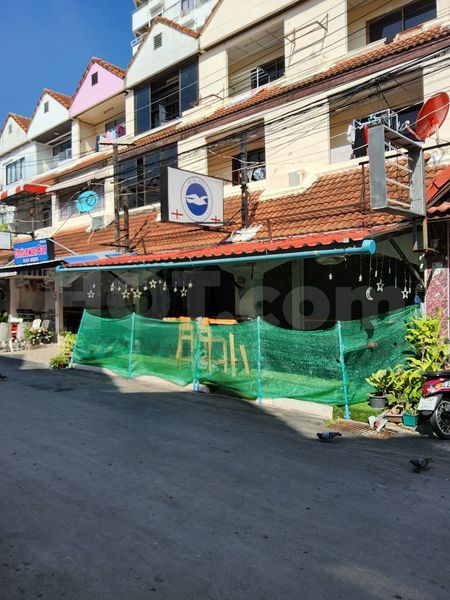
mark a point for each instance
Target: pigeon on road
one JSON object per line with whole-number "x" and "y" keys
{"x": 327, "y": 436}
{"x": 420, "y": 464}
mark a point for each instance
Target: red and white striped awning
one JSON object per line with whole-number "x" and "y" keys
{"x": 25, "y": 188}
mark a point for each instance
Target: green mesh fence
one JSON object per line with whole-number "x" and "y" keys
{"x": 252, "y": 359}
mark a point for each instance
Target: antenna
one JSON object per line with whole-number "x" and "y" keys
{"x": 432, "y": 115}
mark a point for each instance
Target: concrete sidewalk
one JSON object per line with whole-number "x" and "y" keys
{"x": 40, "y": 355}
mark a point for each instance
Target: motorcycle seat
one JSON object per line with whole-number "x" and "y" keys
{"x": 439, "y": 374}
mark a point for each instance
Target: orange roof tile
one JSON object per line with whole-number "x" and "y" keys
{"x": 22, "y": 122}
{"x": 333, "y": 203}
{"x": 62, "y": 99}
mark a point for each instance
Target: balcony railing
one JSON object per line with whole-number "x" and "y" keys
{"x": 64, "y": 155}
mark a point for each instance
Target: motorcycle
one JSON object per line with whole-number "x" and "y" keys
{"x": 434, "y": 406}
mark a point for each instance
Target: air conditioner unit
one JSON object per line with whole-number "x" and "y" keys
{"x": 97, "y": 223}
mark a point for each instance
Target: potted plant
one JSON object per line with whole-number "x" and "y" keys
{"x": 410, "y": 418}
{"x": 382, "y": 381}
{"x": 430, "y": 355}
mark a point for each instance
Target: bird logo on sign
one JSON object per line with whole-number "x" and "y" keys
{"x": 87, "y": 201}
{"x": 197, "y": 199}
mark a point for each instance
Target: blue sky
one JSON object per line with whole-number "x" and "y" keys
{"x": 49, "y": 44}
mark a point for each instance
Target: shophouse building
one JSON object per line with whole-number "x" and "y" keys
{"x": 276, "y": 97}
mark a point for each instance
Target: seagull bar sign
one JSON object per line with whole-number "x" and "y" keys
{"x": 188, "y": 197}
{"x": 35, "y": 251}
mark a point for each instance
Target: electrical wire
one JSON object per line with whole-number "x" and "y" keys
{"x": 282, "y": 39}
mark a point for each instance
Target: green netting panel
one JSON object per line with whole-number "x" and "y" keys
{"x": 251, "y": 359}
{"x": 301, "y": 364}
{"x": 104, "y": 343}
{"x": 164, "y": 349}
{"x": 228, "y": 358}
{"x": 374, "y": 343}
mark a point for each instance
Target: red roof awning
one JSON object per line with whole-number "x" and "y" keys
{"x": 25, "y": 188}
{"x": 254, "y": 247}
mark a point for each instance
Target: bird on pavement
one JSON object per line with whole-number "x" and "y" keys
{"x": 327, "y": 436}
{"x": 420, "y": 464}
{"x": 3, "y": 377}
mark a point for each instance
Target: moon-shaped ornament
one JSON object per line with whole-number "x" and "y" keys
{"x": 368, "y": 293}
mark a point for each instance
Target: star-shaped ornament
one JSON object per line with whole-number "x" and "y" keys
{"x": 91, "y": 294}
{"x": 164, "y": 287}
{"x": 183, "y": 292}
{"x": 137, "y": 294}
{"x": 153, "y": 284}
{"x": 190, "y": 285}
{"x": 112, "y": 288}
{"x": 360, "y": 278}
{"x": 405, "y": 293}
{"x": 145, "y": 288}
{"x": 125, "y": 294}
{"x": 380, "y": 286}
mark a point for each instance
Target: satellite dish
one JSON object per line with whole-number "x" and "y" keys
{"x": 87, "y": 201}
{"x": 432, "y": 115}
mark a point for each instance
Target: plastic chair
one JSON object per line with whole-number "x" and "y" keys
{"x": 45, "y": 324}
{"x": 208, "y": 339}
{"x": 185, "y": 334}
{"x": 20, "y": 341}
{"x": 5, "y": 335}
{"x": 36, "y": 323}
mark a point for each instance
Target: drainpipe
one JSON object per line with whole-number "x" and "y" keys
{"x": 367, "y": 247}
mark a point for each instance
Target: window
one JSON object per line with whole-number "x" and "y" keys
{"x": 256, "y": 169}
{"x": 157, "y": 41}
{"x": 139, "y": 178}
{"x": 189, "y": 86}
{"x": 165, "y": 98}
{"x": 120, "y": 120}
{"x": 67, "y": 202}
{"x": 10, "y": 128}
{"x": 406, "y": 17}
{"x": 15, "y": 171}
{"x": 63, "y": 150}
{"x": 186, "y": 6}
{"x": 267, "y": 73}
{"x": 94, "y": 78}
{"x": 46, "y": 107}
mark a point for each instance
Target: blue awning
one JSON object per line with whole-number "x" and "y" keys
{"x": 77, "y": 258}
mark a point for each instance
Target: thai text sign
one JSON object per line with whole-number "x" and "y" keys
{"x": 36, "y": 251}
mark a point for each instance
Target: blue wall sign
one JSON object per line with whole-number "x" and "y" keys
{"x": 87, "y": 201}
{"x": 27, "y": 253}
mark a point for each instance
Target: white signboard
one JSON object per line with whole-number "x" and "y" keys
{"x": 188, "y": 197}
{"x": 5, "y": 240}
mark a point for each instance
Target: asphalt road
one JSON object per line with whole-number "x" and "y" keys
{"x": 138, "y": 493}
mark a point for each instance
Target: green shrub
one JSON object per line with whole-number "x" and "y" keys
{"x": 62, "y": 360}
{"x": 431, "y": 354}
{"x": 382, "y": 381}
